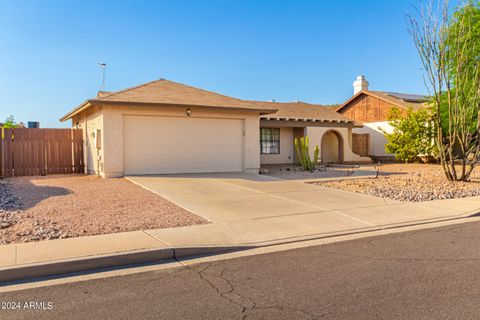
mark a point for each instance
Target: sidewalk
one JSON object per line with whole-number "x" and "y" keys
{"x": 18, "y": 261}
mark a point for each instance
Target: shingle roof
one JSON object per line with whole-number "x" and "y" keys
{"x": 167, "y": 92}
{"x": 401, "y": 100}
{"x": 301, "y": 111}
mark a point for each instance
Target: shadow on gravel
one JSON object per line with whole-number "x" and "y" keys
{"x": 390, "y": 173}
{"x": 27, "y": 195}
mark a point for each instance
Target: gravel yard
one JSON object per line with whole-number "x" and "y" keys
{"x": 292, "y": 172}
{"x": 60, "y": 206}
{"x": 410, "y": 182}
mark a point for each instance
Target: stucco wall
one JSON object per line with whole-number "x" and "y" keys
{"x": 90, "y": 120}
{"x": 377, "y": 138}
{"x": 287, "y": 149}
{"x": 113, "y": 132}
{"x": 330, "y": 151}
{"x": 315, "y": 135}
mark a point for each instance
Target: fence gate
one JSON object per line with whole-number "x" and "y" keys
{"x": 28, "y": 152}
{"x": 361, "y": 144}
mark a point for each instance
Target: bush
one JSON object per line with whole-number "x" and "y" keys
{"x": 412, "y": 135}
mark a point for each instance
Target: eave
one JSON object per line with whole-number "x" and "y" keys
{"x": 89, "y": 103}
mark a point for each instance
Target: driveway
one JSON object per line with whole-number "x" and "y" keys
{"x": 239, "y": 196}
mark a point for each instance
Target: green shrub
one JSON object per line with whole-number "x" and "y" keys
{"x": 412, "y": 135}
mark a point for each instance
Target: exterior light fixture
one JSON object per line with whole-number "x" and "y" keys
{"x": 188, "y": 112}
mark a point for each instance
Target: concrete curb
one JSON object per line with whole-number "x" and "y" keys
{"x": 51, "y": 268}
{"x": 83, "y": 264}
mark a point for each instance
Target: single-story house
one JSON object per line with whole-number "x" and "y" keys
{"x": 371, "y": 108}
{"x": 163, "y": 127}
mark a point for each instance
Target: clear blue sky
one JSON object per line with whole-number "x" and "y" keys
{"x": 284, "y": 50}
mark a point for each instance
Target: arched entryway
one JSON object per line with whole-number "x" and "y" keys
{"x": 332, "y": 147}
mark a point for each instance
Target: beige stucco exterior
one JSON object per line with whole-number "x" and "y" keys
{"x": 105, "y": 154}
{"x": 287, "y": 149}
{"x": 377, "y": 137}
{"x": 333, "y": 138}
{"x": 315, "y": 135}
{"x": 90, "y": 120}
{"x": 110, "y": 120}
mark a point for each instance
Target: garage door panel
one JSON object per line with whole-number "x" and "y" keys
{"x": 182, "y": 145}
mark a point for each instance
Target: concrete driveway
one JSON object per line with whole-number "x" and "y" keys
{"x": 239, "y": 196}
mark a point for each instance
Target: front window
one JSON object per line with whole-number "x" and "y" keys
{"x": 269, "y": 140}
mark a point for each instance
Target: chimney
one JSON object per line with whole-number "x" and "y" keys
{"x": 360, "y": 84}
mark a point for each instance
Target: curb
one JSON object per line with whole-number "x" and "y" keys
{"x": 44, "y": 269}
{"x": 83, "y": 264}
{"x": 54, "y": 268}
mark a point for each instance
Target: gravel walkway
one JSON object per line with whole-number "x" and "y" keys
{"x": 60, "y": 206}
{"x": 410, "y": 182}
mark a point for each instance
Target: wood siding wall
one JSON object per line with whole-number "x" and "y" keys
{"x": 28, "y": 152}
{"x": 367, "y": 109}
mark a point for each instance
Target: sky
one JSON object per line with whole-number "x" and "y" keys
{"x": 310, "y": 51}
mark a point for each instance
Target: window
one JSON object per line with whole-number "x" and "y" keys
{"x": 269, "y": 140}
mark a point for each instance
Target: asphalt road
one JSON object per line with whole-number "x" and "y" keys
{"x": 427, "y": 274}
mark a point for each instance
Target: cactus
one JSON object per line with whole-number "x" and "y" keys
{"x": 303, "y": 154}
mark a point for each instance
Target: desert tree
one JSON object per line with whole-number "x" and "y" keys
{"x": 448, "y": 46}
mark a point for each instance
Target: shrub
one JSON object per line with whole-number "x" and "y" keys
{"x": 412, "y": 135}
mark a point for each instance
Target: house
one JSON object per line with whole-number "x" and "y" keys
{"x": 371, "y": 108}
{"x": 163, "y": 127}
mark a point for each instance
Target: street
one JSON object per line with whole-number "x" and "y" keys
{"x": 426, "y": 274}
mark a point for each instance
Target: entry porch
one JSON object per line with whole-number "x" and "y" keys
{"x": 334, "y": 140}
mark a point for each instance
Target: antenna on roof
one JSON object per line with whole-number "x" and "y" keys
{"x": 104, "y": 67}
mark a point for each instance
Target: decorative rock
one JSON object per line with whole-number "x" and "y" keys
{"x": 423, "y": 185}
{"x": 264, "y": 171}
{"x": 4, "y": 225}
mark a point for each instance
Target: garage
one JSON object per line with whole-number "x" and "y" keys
{"x": 165, "y": 145}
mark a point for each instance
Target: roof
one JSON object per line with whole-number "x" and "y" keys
{"x": 401, "y": 100}
{"x": 165, "y": 92}
{"x": 302, "y": 111}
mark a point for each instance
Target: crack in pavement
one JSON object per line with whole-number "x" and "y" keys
{"x": 246, "y": 303}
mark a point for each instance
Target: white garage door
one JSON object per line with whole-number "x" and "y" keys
{"x": 182, "y": 145}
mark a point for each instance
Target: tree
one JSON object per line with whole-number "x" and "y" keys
{"x": 412, "y": 135}
{"x": 449, "y": 48}
{"x": 10, "y": 122}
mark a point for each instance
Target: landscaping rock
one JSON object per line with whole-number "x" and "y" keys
{"x": 411, "y": 183}
{"x": 264, "y": 171}
{"x": 295, "y": 172}
{"x": 65, "y": 206}
{"x": 4, "y": 225}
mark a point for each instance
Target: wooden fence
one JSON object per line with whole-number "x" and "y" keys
{"x": 28, "y": 152}
{"x": 361, "y": 144}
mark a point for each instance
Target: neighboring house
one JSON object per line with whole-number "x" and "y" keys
{"x": 166, "y": 127}
{"x": 371, "y": 108}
